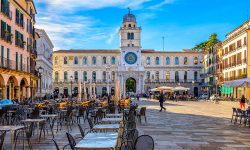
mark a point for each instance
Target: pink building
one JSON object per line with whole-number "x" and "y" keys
{"x": 17, "y": 49}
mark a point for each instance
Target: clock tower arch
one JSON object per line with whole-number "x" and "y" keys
{"x": 130, "y": 46}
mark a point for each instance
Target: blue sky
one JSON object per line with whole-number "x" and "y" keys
{"x": 94, "y": 24}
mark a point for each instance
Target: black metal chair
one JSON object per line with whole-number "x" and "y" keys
{"x": 82, "y": 131}
{"x": 46, "y": 126}
{"x": 144, "y": 142}
{"x": 72, "y": 142}
{"x": 234, "y": 114}
{"x": 56, "y": 145}
{"x": 80, "y": 114}
{"x": 2, "y": 136}
{"x": 25, "y": 134}
{"x": 91, "y": 125}
{"x": 142, "y": 113}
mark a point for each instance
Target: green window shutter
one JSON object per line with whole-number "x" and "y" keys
{"x": 16, "y": 60}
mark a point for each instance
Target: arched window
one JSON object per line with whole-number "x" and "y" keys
{"x": 65, "y": 60}
{"x": 157, "y": 61}
{"x": 167, "y": 75}
{"x": 185, "y": 60}
{"x": 113, "y": 76}
{"x": 128, "y": 36}
{"x": 157, "y": 75}
{"x": 93, "y": 76}
{"x": 104, "y": 90}
{"x": 56, "y": 60}
{"x": 75, "y": 60}
{"x": 196, "y": 60}
{"x": 176, "y": 76}
{"x": 185, "y": 76}
{"x": 94, "y": 60}
{"x": 65, "y": 76}
{"x": 56, "y": 76}
{"x": 104, "y": 60}
{"x": 104, "y": 76}
{"x": 132, "y": 36}
{"x": 167, "y": 61}
{"x": 195, "y": 76}
{"x": 148, "y": 61}
{"x": 176, "y": 60}
{"x": 129, "y": 25}
{"x": 84, "y": 60}
{"x": 113, "y": 60}
{"x": 76, "y": 76}
{"x": 85, "y": 76}
{"x": 148, "y": 75}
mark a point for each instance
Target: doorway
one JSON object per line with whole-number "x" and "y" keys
{"x": 131, "y": 85}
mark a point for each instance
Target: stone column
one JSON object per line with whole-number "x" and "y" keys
{"x": 18, "y": 93}
{"x": 27, "y": 92}
{"x": 4, "y": 90}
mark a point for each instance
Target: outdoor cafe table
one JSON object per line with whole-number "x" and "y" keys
{"x": 111, "y": 120}
{"x": 106, "y": 127}
{"x": 12, "y": 130}
{"x": 100, "y": 141}
{"x": 37, "y": 121}
{"x": 114, "y": 115}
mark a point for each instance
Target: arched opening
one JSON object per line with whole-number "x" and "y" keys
{"x": 196, "y": 92}
{"x": 11, "y": 88}
{"x": 56, "y": 92}
{"x": 66, "y": 92}
{"x": 104, "y": 91}
{"x": 131, "y": 85}
{"x": 23, "y": 91}
{"x": 1, "y": 87}
{"x": 75, "y": 92}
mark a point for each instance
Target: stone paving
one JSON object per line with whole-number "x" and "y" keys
{"x": 184, "y": 125}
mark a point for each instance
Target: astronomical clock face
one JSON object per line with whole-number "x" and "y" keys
{"x": 130, "y": 58}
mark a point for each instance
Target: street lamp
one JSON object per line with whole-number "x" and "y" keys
{"x": 40, "y": 71}
{"x": 193, "y": 86}
{"x": 71, "y": 82}
{"x": 107, "y": 77}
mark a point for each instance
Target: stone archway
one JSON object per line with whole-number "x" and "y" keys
{"x": 23, "y": 88}
{"x": 196, "y": 92}
{"x": 12, "y": 88}
{"x": 131, "y": 85}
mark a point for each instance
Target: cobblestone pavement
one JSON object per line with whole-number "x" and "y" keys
{"x": 194, "y": 125}
{"x": 184, "y": 125}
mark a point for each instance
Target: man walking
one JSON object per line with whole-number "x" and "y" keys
{"x": 161, "y": 100}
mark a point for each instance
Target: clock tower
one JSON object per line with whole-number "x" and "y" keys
{"x": 130, "y": 69}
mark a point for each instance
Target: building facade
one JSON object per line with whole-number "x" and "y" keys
{"x": 137, "y": 70}
{"x": 44, "y": 63}
{"x": 18, "y": 49}
{"x": 235, "y": 58}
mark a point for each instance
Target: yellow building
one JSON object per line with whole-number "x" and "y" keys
{"x": 235, "y": 58}
{"x": 17, "y": 49}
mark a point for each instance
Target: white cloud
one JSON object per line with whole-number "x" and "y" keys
{"x": 113, "y": 35}
{"x": 159, "y": 5}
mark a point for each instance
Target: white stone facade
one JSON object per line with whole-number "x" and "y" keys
{"x": 44, "y": 60}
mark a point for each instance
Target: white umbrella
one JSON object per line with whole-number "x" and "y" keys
{"x": 180, "y": 88}
{"x": 165, "y": 88}
{"x": 154, "y": 89}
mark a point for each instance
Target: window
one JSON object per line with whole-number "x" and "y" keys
{"x": 94, "y": 60}
{"x": 176, "y": 61}
{"x": 157, "y": 61}
{"x": 56, "y": 76}
{"x": 85, "y": 76}
{"x": 132, "y": 45}
{"x": 113, "y": 60}
{"x": 148, "y": 61}
{"x": 65, "y": 60}
{"x": 185, "y": 76}
{"x": 148, "y": 75}
{"x": 76, "y": 76}
{"x": 129, "y": 25}
{"x": 167, "y": 61}
{"x": 65, "y": 76}
{"x": 75, "y": 60}
{"x": 104, "y": 60}
{"x": 6, "y": 32}
{"x": 19, "y": 18}
{"x": 176, "y": 76}
{"x": 128, "y": 45}
{"x": 167, "y": 75}
{"x": 19, "y": 39}
{"x": 104, "y": 75}
{"x": 16, "y": 60}
{"x": 94, "y": 76}
{"x": 196, "y": 60}
{"x": 21, "y": 61}
{"x": 185, "y": 60}
{"x": 245, "y": 40}
{"x": 130, "y": 36}
{"x": 157, "y": 75}
{"x": 56, "y": 60}
{"x": 5, "y": 7}
{"x": 113, "y": 76}
{"x": 195, "y": 76}
{"x": 84, "y": 60}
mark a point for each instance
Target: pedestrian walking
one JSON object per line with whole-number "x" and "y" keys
{"x": 242, "y": 102}
{"x": 161, "y": 100}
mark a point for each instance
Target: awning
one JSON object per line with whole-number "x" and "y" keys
{"x": 238, "y": 83}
